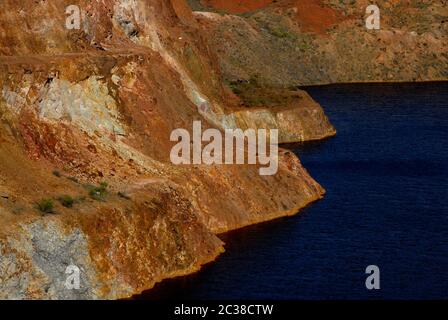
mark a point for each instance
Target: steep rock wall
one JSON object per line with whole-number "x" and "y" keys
{"x": 81, "y": 107}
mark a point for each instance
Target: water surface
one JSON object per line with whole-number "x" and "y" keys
{"x": 387, "y": 188}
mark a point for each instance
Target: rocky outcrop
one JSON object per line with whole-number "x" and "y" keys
{"x": 290, "y": 43}
{"x": 85, "y": 174}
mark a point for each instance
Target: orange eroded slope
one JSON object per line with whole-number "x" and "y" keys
{"x": 237, "y": 6}
{"x": 314, "y": 16}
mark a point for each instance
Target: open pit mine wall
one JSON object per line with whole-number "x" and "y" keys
{"x": 290, "y": 43}
{"x": 78, "y": 107}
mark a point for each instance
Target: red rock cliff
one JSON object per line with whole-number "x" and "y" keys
{"x": 98, "y": 104}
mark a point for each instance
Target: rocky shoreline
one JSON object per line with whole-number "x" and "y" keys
{"x": 86, "y": 180}
{"x": 85, "y": 120}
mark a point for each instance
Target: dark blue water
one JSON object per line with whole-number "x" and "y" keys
{"x": 387, "y": 190}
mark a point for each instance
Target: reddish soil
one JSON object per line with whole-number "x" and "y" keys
{"x": 313, "y": 15}
{"x": 237, "y": 6}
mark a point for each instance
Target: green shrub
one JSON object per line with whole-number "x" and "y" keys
{"x": 99, "y": 192}
{"x": 67, "y": 201}
{"x": 45, "y": 205}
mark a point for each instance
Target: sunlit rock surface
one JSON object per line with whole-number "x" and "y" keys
{"x": 81, "y": 107}
{"x": 288, "y": 43}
